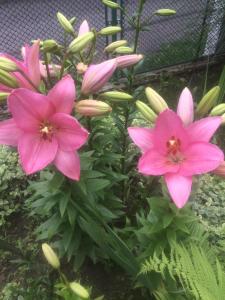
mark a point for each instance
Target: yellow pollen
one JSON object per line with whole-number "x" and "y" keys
{"x": 45, "y": 129}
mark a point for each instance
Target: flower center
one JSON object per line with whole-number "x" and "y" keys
{"x": 173, "y": 150}
{"x": 46, "y": 131}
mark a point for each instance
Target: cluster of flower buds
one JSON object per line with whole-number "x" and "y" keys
{"x": 53, "y": 260}
{"x": 185, "y": 106}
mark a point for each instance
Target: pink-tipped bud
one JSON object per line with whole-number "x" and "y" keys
{"x": 92, "y": 108}
{"x": 220, "y": 171}
{"x": 81, "y": 68}
{"x": 97, "y": 75}
{"x": 128, "y": 60}
{"x": 84, "y": 28}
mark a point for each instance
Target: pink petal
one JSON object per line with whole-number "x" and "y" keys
{"x": 142, "y": 137}
{"x": 203, "y": 130}
{"x": 154, "y": 163}
{"x": 29, "y": 109}
{"x": 70, "y": 134}
{"x": 63, "y": 95}
{"x": 179, "y": 188}
{"x": 169, "y": 125}
{"x": 68, "y": 163}
{"x": 84, "y": 28}
{"x": 4, "y": 88}
{"x": 32, "y": 63}
{"x": 35, "y": 152}
{"x": 201, "y": 158}
{"x": 185, "y": 108}
{"x": 9, "y": 133}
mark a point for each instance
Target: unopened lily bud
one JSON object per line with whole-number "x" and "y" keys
{"x": 81, "y": 42}
{"x": 111, "y": 47}
{"x": 79, "y": 290}
{"x": 8, "y": 80}
{"x": 223, "y": 119}
{"x": 92, "y": 108}
{"x": 116, "y": 96}
{"x": 155, "y": 100}
{"x": 81, "y": 68}
{"x": 218, "y": 110}
{"x": 110, "y": 30}
{"x": 146, "y": 111}
{"x": 72, "y": 20}
{"x": 84, "y": 28}
{"x": 128, "y": 60}
{"x": 110, "y": 4}
{"x": 165, "y": 12}
{"x": 124, "y": 50}
{"x": 7, "y": 64}
{"x": 49, "y": 45}
{"x": 208, "y": 101}
{"x": 3, "y": 96}
{"x": 97, "y": 75}
{"x": 65, "y": 23}
{"x": 50, "y": 256}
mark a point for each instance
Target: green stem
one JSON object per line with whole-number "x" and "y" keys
{"x": 130, "y": 88}
{"x": 47, "y": 69}
{"x": 63, "y": 65}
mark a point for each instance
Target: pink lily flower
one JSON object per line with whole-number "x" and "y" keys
{"x": 43, "y": 129}
{"x": 177, "y": 152}
{"x": 125, "y": 61}
{"x": 30, "y": 67}
{"x": 96, "y": 76}
{"x": 84, "y": 28}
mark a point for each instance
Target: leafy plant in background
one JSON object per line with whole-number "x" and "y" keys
{"x": 89, "y": 206}
{"x": 13, "y": 184}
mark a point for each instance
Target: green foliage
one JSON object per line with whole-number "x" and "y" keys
{"x": 208, "y": 203}
{"x": 56, "y": 199}
{"x": 13, "y": 184}
{"x": 200, "y": 275}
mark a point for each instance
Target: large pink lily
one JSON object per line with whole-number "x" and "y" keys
{"x": 43, "y": 129}
{"x": 30, "y": 67}
{"x": 177, "y": 149}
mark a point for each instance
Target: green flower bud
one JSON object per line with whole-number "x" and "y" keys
{"x": 110, "y": 30}
{"x": 65, "y": 23}
{"x": 146, "y": 111}
{"x": 124, "y": 50}
{"x": 218, "y": 110}
{"x": 7, "y": 64}
{"x": 49, "y": 45}
{"x": 79, "y": 290}
{"x": 50, "y": 256}
{"x": 73, "y": 20}
{"x": 8, "y": 79}
{"x": 110, "y": 4}
{"x": 111, "y": 47}
{"x": 3, "y": 96}
{"x": 155, "y": 100}
{"x": 81, "y": 42}
{"x": 208, "y": 101}
{"x": 165, "y": 12}
{"x": 116, "y": 96}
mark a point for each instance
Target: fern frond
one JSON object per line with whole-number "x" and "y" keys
{"x": 192, "y": 266}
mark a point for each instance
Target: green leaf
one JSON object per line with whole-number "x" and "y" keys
{"x": 63, "y": 202}
{"x": 95, "y": 185}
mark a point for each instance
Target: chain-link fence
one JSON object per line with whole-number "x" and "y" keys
{"x": 197, "y": 30}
